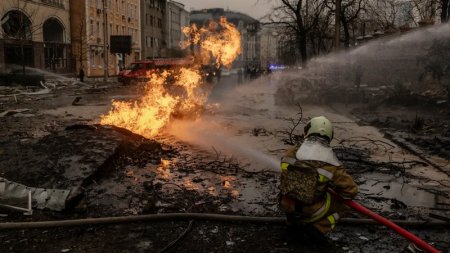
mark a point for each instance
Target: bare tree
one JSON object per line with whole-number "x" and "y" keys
{"x": 80, "y": 42}
{"x": 445, "y": 10}
{"x": 424, "y": 11}
{"x": 349, "y": 12}
{"x": 320, "y": 32}
{"x": 299, "y": 17}
{"x": 384, "y": 13}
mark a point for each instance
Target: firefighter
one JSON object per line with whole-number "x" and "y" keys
{"x": 306, "y": 174}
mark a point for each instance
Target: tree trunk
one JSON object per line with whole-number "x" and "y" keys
{"x": 337, "y": 28}
{"x": 346, "y": 33}
{"x": 445, "y": 11}
{"x": 302, "y": 46}
{"x": 314, "y": 46}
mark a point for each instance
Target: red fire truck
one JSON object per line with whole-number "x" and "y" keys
{"x": 137, "y": 71}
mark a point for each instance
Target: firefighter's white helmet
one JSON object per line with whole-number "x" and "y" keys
{"x": 319, "y": 126}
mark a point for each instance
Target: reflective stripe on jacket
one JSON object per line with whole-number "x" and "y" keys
{"x": 329, "y": 175}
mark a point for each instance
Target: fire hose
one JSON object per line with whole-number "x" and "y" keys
{"x": 192, "y": 216}
{"x": 206, "y": 216}
{"x": 399, "y": 230}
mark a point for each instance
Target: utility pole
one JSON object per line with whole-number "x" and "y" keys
{"x": 105, "y": 42}
{"x": 337, "y": 27}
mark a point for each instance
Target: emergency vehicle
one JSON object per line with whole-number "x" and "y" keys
{"x": 137, "y": 71}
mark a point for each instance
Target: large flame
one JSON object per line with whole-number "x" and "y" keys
{"x": 179, "y": 91}
{"x": 224, "y": 45}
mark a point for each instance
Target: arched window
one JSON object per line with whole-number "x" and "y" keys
{"x": 55, "y": 49}
{"x": 53, "y": 30}
{"x": 16, "y": 25}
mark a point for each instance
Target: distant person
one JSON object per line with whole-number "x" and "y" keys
{"x": 218, "y": 74}
{"x": 81, "y": 74}
{"x": 358, "y": 76}
{"x": 307, "y": 172}
{"x": 240, "y": 75}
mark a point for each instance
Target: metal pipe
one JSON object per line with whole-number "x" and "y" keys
{"x": 399, "y": 230}
{"x": 191, "y": 216}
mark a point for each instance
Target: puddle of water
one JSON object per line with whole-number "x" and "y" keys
{"x": 408, "y": 193}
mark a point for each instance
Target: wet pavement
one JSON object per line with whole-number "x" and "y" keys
{"x": 225, "y": 162}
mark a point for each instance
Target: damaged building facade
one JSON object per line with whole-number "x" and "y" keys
{"x": 35, "y": 34}
{"x": 92, "y": 24}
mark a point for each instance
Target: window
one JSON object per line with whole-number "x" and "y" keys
{"x": 123, "y": 8}
{"x": 100, "y": 51}
{"x": 99, "y": 32}
{"x": 110, "y": 29}
{"x": 151, "y": 20}
{"x": 117, "y": 6}
{"x": 92, "y": 57}
{"x": 159, "y": 23}
{"x": 147, "y": 41}
{"x": 117, "y": 29}
{"x": 91, "y": 27}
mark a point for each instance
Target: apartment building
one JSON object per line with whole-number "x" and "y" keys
{"x": 153, "y": 23}
{"x": 35, "y": 33}
{"x": 177, "y": 18}
{"x": 92, "y": 23}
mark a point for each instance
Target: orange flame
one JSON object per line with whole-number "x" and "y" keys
{"x": 162, "y": 100}
{"x": 222, "y": 40}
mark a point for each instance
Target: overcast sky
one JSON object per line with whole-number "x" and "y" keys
{"x": 253, "y": 8}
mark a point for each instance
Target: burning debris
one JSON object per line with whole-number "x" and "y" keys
{"x": 177, "y": 91}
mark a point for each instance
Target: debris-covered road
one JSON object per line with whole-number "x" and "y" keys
{"x": 223, "y": 163}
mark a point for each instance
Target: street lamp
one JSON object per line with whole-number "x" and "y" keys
{"x": 105, "y": 42}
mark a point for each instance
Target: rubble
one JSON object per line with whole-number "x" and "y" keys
{"x": 121, "y": 173}
{"x": 69, "y": 160}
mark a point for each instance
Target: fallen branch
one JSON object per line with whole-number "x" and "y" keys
{"x": 414, "y": 152}
{"x": 182, "y": 235}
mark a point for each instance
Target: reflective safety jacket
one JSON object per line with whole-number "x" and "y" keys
{"x": 313, "y": 155}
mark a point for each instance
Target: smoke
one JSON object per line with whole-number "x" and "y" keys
{"x": 387, "y": 62}
{"x": 209, "y": 134}
{"x": 383, "y": 61}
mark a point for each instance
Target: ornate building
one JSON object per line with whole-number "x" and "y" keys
{"x": 35, "y": 33}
